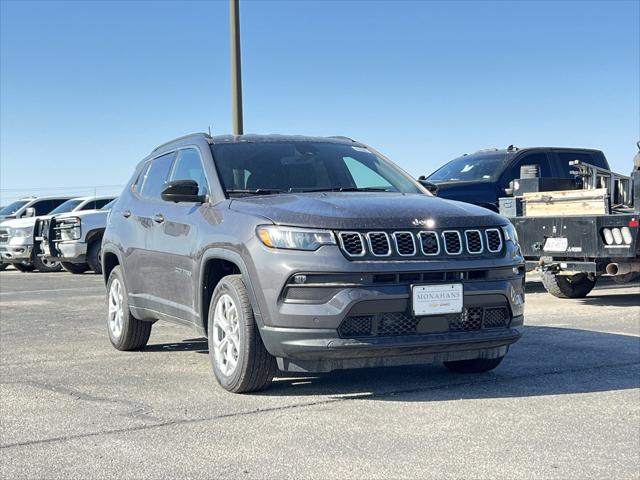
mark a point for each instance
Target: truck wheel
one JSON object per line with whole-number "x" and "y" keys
{"x": 240, "y": 360}
{"x": 626, "y": 278}
{"x": 565, "y": 286}
{"x": 24, "y": 267}
{"x": 125, "y": 331}
{"x": 478, "y": 365}
{"x": 45, "y": 266}
{"x": 3, "y": 266}
{"x": 75, "y": 267}
{"x": 93, "y": 255}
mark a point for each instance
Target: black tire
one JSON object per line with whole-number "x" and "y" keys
{"x": 255, "y": 367}
{"x": 24, "y": 267}
{"x": 626, "y": 278}
{"x": 93, "y": 255}
{"x": 133, "y": 334}
{"x": 565, "y": 286}
{"x": 478, "y": 365}
{"x": 75, "y": 267}
{"x": 3, "y": 266}
{"x": 45, "y": 266}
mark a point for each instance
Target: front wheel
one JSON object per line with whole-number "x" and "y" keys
{"x": 568, "y": 286}
{"x": 478, "y": 365}
{"x": 44, "y": 265}
{"x": 93, "y": 255}
{"x": 125, "y": 331}
{"x": 3, "y": 266}
{"x": 240, "y": 360}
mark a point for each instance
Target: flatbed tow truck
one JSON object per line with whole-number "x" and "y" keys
{"x": 572, "y": 237}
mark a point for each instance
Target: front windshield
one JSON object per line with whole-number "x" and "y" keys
{"x": 67, "y": 206}
{"x": 299, "y": 166}
{"x": 12, "y": 208}
{"x": 469, "y": 168}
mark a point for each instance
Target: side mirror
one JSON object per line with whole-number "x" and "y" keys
{"x": 432, "y": 187}
{"x": 29, "y": 212}
{"x": 182, "y": 191}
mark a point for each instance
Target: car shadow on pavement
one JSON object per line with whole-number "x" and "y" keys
{"x": 547, "y": 361}
{"x": 622, "y": 300}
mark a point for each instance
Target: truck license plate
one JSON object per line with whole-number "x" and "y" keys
{"x": 556, "y": 244}
{"x": 437, "y": 299}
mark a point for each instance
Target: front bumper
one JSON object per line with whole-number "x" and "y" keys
{"x": 73, "y": 251}
{"x": 16, "y": 253}
{"x": 304, "y": 330}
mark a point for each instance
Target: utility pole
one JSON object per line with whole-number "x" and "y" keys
{"x": 236, "y": 69}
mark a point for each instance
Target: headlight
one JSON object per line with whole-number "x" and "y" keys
{"x": 294, "y": 238}
{"x": 510, "y": 233}
{"x": 22, "y": 232}
{"x": 69, "y": 228}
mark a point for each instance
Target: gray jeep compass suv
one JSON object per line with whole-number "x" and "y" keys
{"x": 307, "y": 254}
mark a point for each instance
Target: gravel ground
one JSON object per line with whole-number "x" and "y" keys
{"x": 564, "y": 404}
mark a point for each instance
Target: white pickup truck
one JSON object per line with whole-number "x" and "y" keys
{"x": 73, "y": 239}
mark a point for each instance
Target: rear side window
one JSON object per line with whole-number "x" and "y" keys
{"x": 188, "y": 166}
{"x": 565, "y": 157}
{"x": 157, "y": 175}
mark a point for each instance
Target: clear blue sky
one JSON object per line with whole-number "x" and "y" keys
{"x": 89, "y": 88}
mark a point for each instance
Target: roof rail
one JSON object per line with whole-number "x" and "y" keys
{"x": 342, "y": 137}
{"x": 198, "y": 134}
{"x": 486, "y": 150}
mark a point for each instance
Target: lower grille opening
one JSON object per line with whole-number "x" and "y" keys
{"x": 394, "y": 324}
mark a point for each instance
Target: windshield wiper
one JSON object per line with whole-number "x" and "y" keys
{"x": 256, "y": 191}
{"x": 340, "y": 189}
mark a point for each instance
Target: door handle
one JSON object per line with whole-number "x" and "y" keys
{"x": 158, "y": 218}
{"x": 126, "y": 213}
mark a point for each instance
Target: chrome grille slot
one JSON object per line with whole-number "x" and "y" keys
{"x": 4, "y": 235}
{"x": 473, "y": 240}
{"x": 452, "y": 242}
{"x": 494, "y": 240}
{"x": 405, "y": 243}
{"x": 429, "y": 243}
{"x": 352, "y": 243}
{"x": 379, "y": 244}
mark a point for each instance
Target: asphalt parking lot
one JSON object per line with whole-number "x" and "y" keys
{"x": 565, "y": 403}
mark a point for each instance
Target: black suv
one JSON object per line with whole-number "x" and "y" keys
{"x": 307, "y": 254}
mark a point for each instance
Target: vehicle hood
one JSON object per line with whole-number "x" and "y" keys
{"x": 83, "y": 214}
{"x": 472, "y": 192}
{"x": 19, "y": 222}
{"x": 365, "y": 210}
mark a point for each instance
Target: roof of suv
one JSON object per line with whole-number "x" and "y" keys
{"x": 254, "y": 138}
{"x": 514, "y": 151}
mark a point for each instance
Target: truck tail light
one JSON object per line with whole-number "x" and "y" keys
{"x": 634, "y": 223}
{"x": 626, "y": 235}
{"x": 608, "y": 236}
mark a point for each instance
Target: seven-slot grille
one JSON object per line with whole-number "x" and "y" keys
{"x": 402, "y": 244}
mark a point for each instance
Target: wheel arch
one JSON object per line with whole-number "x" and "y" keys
{"x": 217, "y": 263}
{"x": 110, "y": 259}
{"x": 93, "y": 234}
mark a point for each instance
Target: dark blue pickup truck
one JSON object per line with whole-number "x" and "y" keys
{"x": 482, "y": 177}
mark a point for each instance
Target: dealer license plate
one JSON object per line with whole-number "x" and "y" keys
{"x": 437, "y": 299}
{"x": 556, "y": 244}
